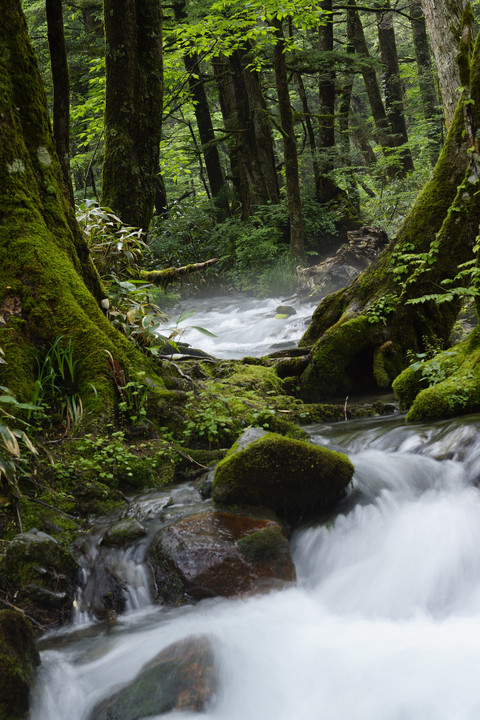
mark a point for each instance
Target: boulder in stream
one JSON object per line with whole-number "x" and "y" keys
{"x": 219, "y": 554}
{"x": 42, "y": 575}
{"x": 182, "y": 677}
{"x": 18, "y": 660}
{"x": 295, "y": 479}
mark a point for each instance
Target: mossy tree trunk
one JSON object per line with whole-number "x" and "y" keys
{"x": 133, "y": 107}
{"x": 48, "y": 284}
{"x": 362, "y": 334}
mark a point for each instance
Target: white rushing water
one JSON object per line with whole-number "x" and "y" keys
{"x": 384, "y": 623}
{"x": 243, "y": 326}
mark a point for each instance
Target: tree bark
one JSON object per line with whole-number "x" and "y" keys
{"x": 361, "y": 334}
{"x": 48, "y": 284}
{"x": 292, "y": 179}
{"x": 327, "y": 189}
{"x": 310, "y": 133}
{"x": 344, "y": 113}
{"x": 133, "y": 108}
{"x": 213, "y": 165}
{"x": 426, "y": 79}
{"x": 252, "y": 157}
{"x": 392, "y": 85}
{"x": 444, "y": 23}
{"x": 61, "y": 89}
{"x": 372, "y": 87}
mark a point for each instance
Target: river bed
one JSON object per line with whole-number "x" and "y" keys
{"x": 383, "y": 623}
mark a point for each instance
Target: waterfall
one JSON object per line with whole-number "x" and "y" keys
{"x": 383, "y": 623}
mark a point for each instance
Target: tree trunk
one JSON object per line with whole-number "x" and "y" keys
{"x": 327, "y": 190}
{"x": 425, "y": 75}
{"x": 310, "y": 133}
{"x": 48, "y": 284}
{"x": 292, "y": 179}
{"x": 344, "y": 114}
{"x": 444, "y": 22}
{"x": 361, "y": 334}
{"x": 372, "y": 87}
{"x": 61, "y": 89}
{"x": 133, "y": 108}
{"x": 213, "y": 165}
{"x": 392, "y": 84}
{"x": 252, "y": 157}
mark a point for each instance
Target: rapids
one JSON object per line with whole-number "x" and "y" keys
{"x": 383, "y": 624}
{"x": 243, "y": 326}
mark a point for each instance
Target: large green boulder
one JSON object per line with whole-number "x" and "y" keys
{"x": 294, "y": 478}
{"x": 18, "y": 659}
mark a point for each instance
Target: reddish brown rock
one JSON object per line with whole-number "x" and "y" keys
{"x": 219, "y": 553}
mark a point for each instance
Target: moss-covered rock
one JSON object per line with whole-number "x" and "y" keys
{"x": 18, "y": 660}
{"x": 123, "y": 533}
{"x": 443, "y": 386}
{"x": 42, "y": 574}
{"x": 182, "y": 678}
{"x": 294, "y": 478}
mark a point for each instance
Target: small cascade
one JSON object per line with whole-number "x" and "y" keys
{"x": 383, "y": 623}
{"x": 115, "y": 575}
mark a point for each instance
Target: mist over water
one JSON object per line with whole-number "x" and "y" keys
{"x": 244, "y": 326}
{"x": 384, "y": 623}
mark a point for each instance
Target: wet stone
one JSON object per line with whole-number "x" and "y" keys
{"x": 182, "y": 678}
{"x": 219, "y": 554}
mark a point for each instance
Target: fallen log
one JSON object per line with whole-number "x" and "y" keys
{"x": 169, "y": 275}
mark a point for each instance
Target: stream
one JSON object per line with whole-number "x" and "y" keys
{"x": 243, "y": 326}
{"x": 382, "y": 624}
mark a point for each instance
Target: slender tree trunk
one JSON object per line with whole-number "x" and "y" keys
{"x": 444, "y": 22}
{"x": 392, "y": 84}
{"x": 425, "y": 75}
{"x": 252, "y": 157}
{"x": 292, "y": 179}
{"x": 61, "y": 89}
{"x": 326, "y": 190}
{"x": 310, "y": 132}
{"x": 196, "y": 83}
{"x": 133, "y": 109}
{"x": 344, "y": 112}
{"x": 372, "y": 87}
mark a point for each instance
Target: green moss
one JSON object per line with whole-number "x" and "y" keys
{"x": 264, "y": 546}
{"x": 291, "y": 477}
{"x": 446, "y": 385}
{"x": 406, "y": 386}
{"x": 18, "y": 660}
{"x": 331, "y": 371}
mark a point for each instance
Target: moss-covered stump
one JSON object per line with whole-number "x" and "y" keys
{"x": 219, "y": 554}
{"x": 294, "y": 478}
{"x": 182, "y": 678}
{"x": 18, "y": 660}
{"x": 444, "y": 386}
{"x": 42, "y": 575}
